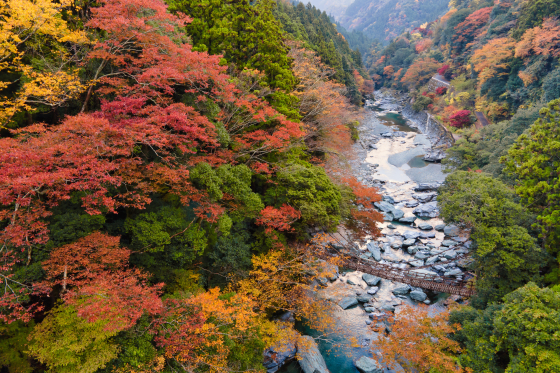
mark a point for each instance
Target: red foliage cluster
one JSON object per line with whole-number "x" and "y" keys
{"x": 441, "y": 91}
{"x": 441, "y": 71}
{"x": 460, "y": 118}
{"x": 138, "y": 144}
{"x": 279, "y": 219}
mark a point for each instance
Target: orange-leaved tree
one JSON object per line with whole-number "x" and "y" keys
{"x": 419, "y": 342}
{"x": 420, "y": 71}
{"x": 493, "y": 59}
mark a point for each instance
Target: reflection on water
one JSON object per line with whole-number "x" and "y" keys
{"x": 397, "y": 120}
{"x": 418, "y": 162}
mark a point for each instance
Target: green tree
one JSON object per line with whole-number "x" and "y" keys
{"x": 528, "y": 328}
{"x": 506, "y": 256}
{"x": 64, "y": 342}
{"x": 534, "y": 160}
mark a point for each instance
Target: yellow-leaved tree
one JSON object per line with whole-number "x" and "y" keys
{"x": 38, "y": 56}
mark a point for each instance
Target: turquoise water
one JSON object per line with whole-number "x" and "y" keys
{"x": 418, "y": 162}
{"x": 396, "y": 119}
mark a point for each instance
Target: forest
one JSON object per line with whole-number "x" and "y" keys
{"x": 165, "y": 165}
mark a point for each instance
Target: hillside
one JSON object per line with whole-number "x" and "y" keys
{"x": 383, "y": 19}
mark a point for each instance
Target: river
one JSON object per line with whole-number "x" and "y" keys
{"x": 390, "y": 157}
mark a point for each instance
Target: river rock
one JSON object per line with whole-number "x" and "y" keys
{"x": 389, "y": 199}
{"x": 376, "y": 254}
{"x": 387, "y": 216}
{"x": 451, "y": 230}
{"x": 418, "y": 295}
{"x": 364, "y": 298}
{"x": 367, "y": 365}
{"x": 428, "y": 210}
{"x": 408, "y": 219}
{"x": 450, "y": 254}
{"x": 410, "y": 242}
{"x": 417, "y": 263}
{"x": 401, "y": 290}
{"x": 309, "y": 358}
{"x": 424, "y": 197}
{"x": 425, "y": 226}
{"x": 412, "y": 250}
{"x": 424, "y": 272}
{"x": 408, "y": 235}
{"x": 421, "y": 255}
{"x": 350, "y": 282}
{"x": 347, "y": 302}
{"x": 386, "y": 246}
{"x": 412, "y": 204}
{"x": 424, "y": 187}
{"x": 274, "y": 358}
{"x": 371, "y": 280}
{"x": 428, "y": 235}
{"x": 439, "y": 227}
{"x": 432, "y": 260}
{"x": 448, "y": 243}
{"x": 373, "y": 290}
{"x": 396, "y": 245}
{"x": 397, "y": 214}
{"x": 391, "y": 226}
{"x": 384, "y": 206}
{"x": 369, "y": 309}
{"x": 453, "y": 272}
{"x": 322, "y": 281}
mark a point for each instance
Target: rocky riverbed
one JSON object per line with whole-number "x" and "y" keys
{"x": 395, "y": 150}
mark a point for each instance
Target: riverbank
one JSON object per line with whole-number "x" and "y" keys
{"x": 391, "y": 153}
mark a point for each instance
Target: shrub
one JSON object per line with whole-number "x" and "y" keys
{"x": 441, "y": 91}
{"x": 460, "y": 119}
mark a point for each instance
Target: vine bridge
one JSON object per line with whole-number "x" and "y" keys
{"x": 411, "y": 276}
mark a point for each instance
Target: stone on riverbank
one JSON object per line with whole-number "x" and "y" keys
{"x": 409, "y": 242}
{"x": 409, "y": 235}
{"x": 373, "y": 290}
{"x": 418, "y": 295}
{"x": 367, "y": 365}
{"x": 424, "y": 197}
{"x": 348, "y": 302}
{"x": 371, "y": 280}
{"x": 424, "y": 187}
{"x": 439, "y": 227}
{"x": 425, "y": 226}
{"x": 408, "y": 219}
{"x": 448, "y": 243}
{"x": 397, "y": 214}
{"x": 401, "y": 290}
{"x": 451, "y": 230}
{"x": 309, "y": 357}
{"x": 428, "y": 210}
{"x": 364, "y": 298}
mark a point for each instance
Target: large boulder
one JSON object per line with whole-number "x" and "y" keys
{"x": 409, "y": 242}
{"x": 412, "y": 249}
{"x": 397, "y": 214}
{"x": 424, "y": 197}
{"x": 401, "y": 289}
{"x": 364, "y": 298}
{"x": 421, "y": 255}
{"x": 426, "y": 187}
{"x": 367, "y": 365}
{"x": 453, "y": 272}
{"x": 371, "y": 280}
{"x": 427, "y": 210}
{"x": 425, "y": 226}
{"x": 384, "y": 206}
{"x": 439, "y": 227}
{"x": 274, "y": 358}
{"x": 348, "y": 302}
{"x": 408, "y": 219}
{"x": 448, "y": 243}
{"x": 409, "y": 235}
{"x": 389, "y": 199}
{"x": 411, "y": 204}
{"x": 387, "y": 216}
{"x": 418, "y": 295}
{"x": 451, "y": 230}
{"x": 309, "y": 358}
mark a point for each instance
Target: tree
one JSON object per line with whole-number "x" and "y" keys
{"x": 460, "y": 119}
{"x": 65, "y": 342}
{"x": 39, "y": 50}
{"x": 419, "y": 342}
{"x": 527, "y": 328}
{"x": 493, "y": 59}
{"x": 469, "y": 29}
{"x": 506, "y": 256}
{"x": 420, "y": 72}
{"x": 532, "y": 159}
{"x": 541, "y": 40}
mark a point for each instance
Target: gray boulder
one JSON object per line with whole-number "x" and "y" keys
{"x": 396, "y": 245}
{"x": 425, "y": 226}
{"x": 425, "y": 187}
{"x": 408, "y": 219}
{"x": 350, "y": 282}
{"x": 397, "y": 214}
{"x": 309, "y": 358}
{"x": 424, "y": 197}
{"x": 384, "y": 206}
{"x": 412, "y": 249}
{"x": 408, "y": 235}
{"x": 448, "y": 243}
{"x": 417, "y": 263}
{"x": 421, "y": 255}
{"x": 371, "y": 280}
{"x": 389, "y": 199}
{"x": 439, "y": 227}
{"x": 409, "y": 242}
{"x": 428, "y": 235}
{"x": 401, "y": 290}
{"x": 428, "y": 210}
{"x": 387, "y": 216}
{"x": 367, "y": 365}
{"x": 432, "y": 260}
{"x": 348, "y": 302}
{"x": 411, "y": 204}
{"x": 364, "y": 298}
{"x": 418, "y": 295}
{"x": 373, "y": 290}
{"x": 450, "y": 254}
{"x": 451, "y": 230}
{"x": 453, "y": 272}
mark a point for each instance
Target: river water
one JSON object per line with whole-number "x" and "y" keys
{"x": 396, "y": 165}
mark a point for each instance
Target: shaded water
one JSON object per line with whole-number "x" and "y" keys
{"x": 418, "y": 162}
{"x": 396, "y": 120}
